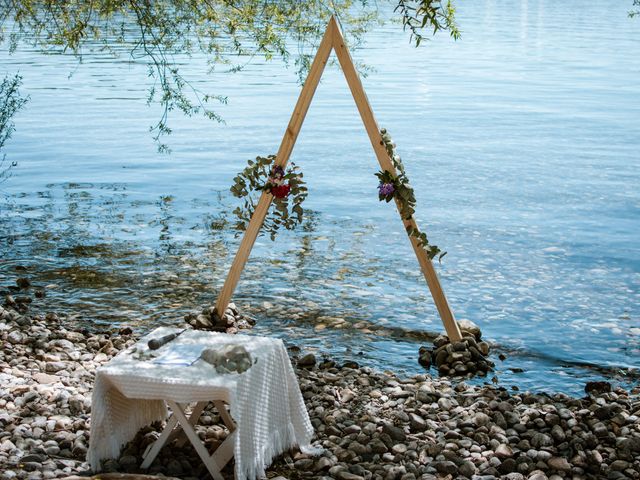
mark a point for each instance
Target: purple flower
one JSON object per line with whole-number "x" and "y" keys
{"x": 277, "y": 172}
{"x": 386, "y": 189}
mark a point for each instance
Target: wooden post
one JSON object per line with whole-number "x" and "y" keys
{"x": 333, "y": 38}
{"x": 373, "y": 130}
{"x": 282, "y": 157}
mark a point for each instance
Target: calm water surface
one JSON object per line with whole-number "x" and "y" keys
{"x": 522, "y": 142}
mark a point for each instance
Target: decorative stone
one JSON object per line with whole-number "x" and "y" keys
{"x": 459, "y": 358}
{"x": 467, "y": 326}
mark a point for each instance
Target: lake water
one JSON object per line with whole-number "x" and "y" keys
{"x": 522, "y": 141}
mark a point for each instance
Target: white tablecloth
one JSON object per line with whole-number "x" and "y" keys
{"x": 265, "y": 401}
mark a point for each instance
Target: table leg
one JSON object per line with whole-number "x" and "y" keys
{"x": 151, "y": 455}
{"x": 224, "y": 414}
{"x": 193, "y": 437}
{"x": 224, "y": 452}
{"x": 193, "y": 418}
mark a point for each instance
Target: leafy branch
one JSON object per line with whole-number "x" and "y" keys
{"x": 419, "y": 14}
{"x": 397, "y": 187}
{"x": 288, "y": 188}
{"x": 164, "y": 34}
{"x": 226, "y": 33}
{"x": 10, "y": 103}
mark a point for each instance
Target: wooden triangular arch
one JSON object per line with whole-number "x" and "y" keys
{"x": 333, "y": 40}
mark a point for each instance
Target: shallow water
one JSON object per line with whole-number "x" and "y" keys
{"x": 521, "y": 141}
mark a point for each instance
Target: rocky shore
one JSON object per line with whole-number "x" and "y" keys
{"x": 372, "y": 425}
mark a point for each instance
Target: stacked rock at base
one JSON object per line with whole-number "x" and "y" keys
{"x": 231, "y": 321}
{"x": 463, "y": 358}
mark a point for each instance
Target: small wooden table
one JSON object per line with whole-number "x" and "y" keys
{"x": 265, "y": 404}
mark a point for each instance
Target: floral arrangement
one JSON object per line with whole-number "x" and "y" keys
{"x": 287, "y": 187}
{"x": 398, "y": 188}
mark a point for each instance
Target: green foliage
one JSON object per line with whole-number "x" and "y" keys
{"x": 228, "y": 33}
{"x": 260, "y": 175}
{"x": 634, "y": 13}
{"x": 404, "y": 195}
{"x": 435, "y": 14}
{"x": 10, "y": 103}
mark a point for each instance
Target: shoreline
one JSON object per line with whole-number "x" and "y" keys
{"x": 372, "y": 425}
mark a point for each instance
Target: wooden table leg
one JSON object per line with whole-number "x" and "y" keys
{"x": 193, "y": 419}
{"x": 208, "y": 460}
{"x": 179, "y": 424}
{"x": 224, "y": 414}
{"x": 151, "y": 455}
{"x": 224, "y": 452}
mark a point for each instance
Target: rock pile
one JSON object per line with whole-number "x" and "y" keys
{"x": 231, "y": 322}
{"x": 467, "y": 357}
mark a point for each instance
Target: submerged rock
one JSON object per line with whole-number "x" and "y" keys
{"x": 597, "y": 388}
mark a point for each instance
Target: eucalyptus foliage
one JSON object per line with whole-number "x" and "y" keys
{"x": 403, "y": 193}
{"x": 229, "y": 33}
{"x": 285, "y": 212}
{"x": 10, "y": 102}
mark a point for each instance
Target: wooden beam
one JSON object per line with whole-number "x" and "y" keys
{"x": 282, "y": 157}
{"x": 373, "y": 130}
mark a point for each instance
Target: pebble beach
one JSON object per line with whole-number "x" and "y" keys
{"x": 371, "y": 424}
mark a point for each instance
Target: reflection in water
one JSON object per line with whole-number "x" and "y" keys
{"x": 106, "y": 259}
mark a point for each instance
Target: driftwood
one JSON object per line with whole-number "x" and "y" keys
{"x": 121, "y": 476}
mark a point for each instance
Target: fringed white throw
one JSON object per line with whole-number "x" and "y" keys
{"x": 265, "y": 401}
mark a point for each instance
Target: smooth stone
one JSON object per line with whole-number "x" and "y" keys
{"x": 304, "y": 464}
{"x": 541, "y": 440}
{"x": 416, "y": 422}
{"x": 399, "y": 448}
{"x": 481, "y": 419}
{"x": 559, "y": 463}
{"x": 324, "y": 463}
{"x": 378, "y": 446}
{"x": 470, "y": 327}
{"x": 346, "y": 475}
{"x": 396, "y": 433}
{"x": 45, "y": 378}
{"x": 467, "y": 468}
{"x": 503, "y": 451}
{"x": 308, "y": 360}
{"x": 446, "y": 467}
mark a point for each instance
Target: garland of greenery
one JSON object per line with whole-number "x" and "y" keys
{"x": 398, "y": 187}
{"x": 260, "y": 175}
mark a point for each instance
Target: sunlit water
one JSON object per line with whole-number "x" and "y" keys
{"x": 521, "y": 141}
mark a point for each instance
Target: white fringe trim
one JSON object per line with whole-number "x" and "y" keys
{"x": 280, "y": 441}
{"x": 108, "y": 404}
